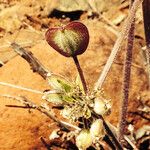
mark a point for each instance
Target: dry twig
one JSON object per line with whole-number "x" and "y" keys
{"x": 36, "y": 66}
{"x": 118, "y": 43}
{"x": 43, "y": 109}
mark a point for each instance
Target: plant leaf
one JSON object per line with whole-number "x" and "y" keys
{"x": 67, "y": 99}
{"x": 59, "y": 83}
{"x": 53, "y": 98}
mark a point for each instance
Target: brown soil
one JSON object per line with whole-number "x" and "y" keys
{"x": 22, "y": 130}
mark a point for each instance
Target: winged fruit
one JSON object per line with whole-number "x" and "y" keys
{"x": 70, "y": 40}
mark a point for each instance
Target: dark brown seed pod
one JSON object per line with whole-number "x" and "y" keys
{"x": 70, "y": 40}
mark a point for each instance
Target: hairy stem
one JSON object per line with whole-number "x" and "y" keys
{"x": 126, "y": 83}
{"x": 117, "y": 45}
{"x": 80, "y": 73}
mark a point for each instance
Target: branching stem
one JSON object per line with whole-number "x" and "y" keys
{"x": 42, "y": 109}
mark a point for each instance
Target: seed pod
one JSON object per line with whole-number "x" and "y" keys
{"x": 70, "y": 40}
{"x": 101, "y": 107}
{"x": 84, "y": 139}
{"x": 97, "y": 129}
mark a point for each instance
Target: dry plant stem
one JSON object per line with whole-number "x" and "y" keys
{"x": 115, "y": 132}
{"x": 80, "y": 73}
{"x": 36, "y": 66}
{"x": 109, "y": 22}
{"x": 129, "y": 141}
{"x": 118, "y": 43}
{"x": 17, "y": 106}
{"x": 126, "y": 84}
{"x": 109, "y": 142}
{"x": 42, "y": 109}
{"x": 45, "y": 143}
{"x": 20, "y": 88}
{"x": 111, "y": 135}
{"x": 146, "y": 16}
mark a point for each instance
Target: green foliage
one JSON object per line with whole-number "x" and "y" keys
{"x": 59, "y": 83}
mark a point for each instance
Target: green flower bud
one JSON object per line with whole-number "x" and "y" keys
{"x": 70, "y": 40}
{"x": 84, "y": 139}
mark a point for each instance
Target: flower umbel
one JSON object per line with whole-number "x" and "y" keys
{"x": 75, "y": 102}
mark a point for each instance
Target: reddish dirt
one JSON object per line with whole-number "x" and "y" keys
{"x": 20, "y": 129}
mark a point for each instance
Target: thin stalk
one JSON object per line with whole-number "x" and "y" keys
{"x": 111, "y": 135}
{"x": 126, "y": 83}
{"x": 80, "y": 73}
{"x": 118, "y": 43}
{"x": 45, "y": 143}
{"x": 146, "y": 16}
{"x": 17, "y": 106}
{"x": 115, "y": 132}
{"x": 109, "y": 132}
{"x": 20, "y": 88}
